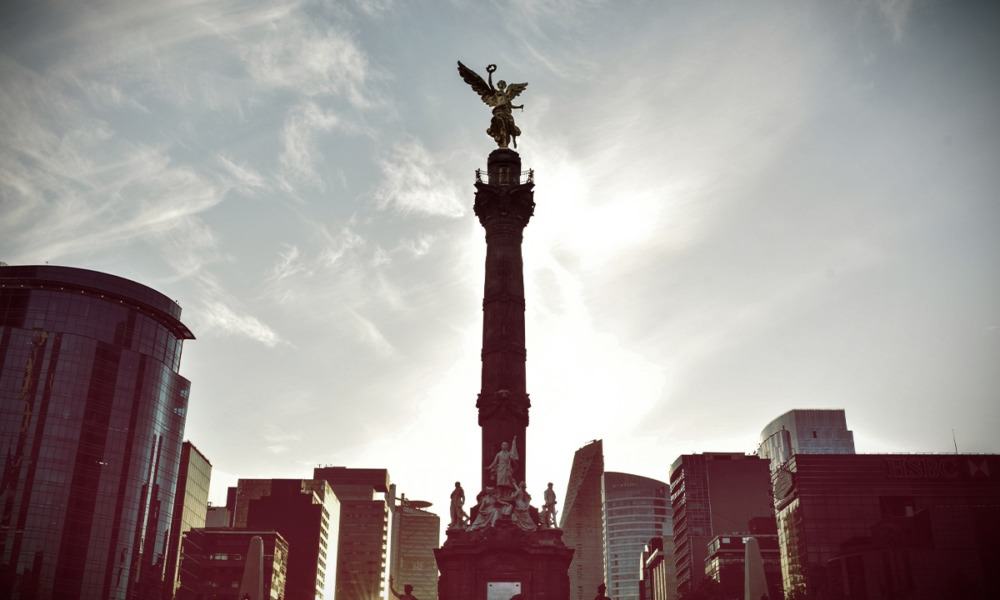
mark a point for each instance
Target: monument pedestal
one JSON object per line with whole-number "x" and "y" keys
{"x": 503, "y": 555}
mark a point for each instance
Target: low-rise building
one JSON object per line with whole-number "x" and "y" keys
{"x": 213, "y": 560}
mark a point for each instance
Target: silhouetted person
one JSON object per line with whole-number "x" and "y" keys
{"x": 601, "y": 595}
{"x": 407, "y": 591}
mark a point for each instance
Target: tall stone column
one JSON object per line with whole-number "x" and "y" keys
{"x": 504, "y": 206}
{"x": 506, "y": 551}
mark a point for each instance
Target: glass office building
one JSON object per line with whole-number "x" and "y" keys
{"x": 214, "y": 559}
{"x": 190, "y": 508}
{"x": 306, "y": 513}
{"x": 881, "y": 526}
{"x": 634, "y": 509}
{"x": 364, "y": 542}
{"x": 415, "y": 535}
{"x": 715, "y": 493}
{"x": 805, "y": 431}
{"x": 92, "y": 414}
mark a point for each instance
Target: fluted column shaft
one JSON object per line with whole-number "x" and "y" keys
{"x": 504, "y": 207}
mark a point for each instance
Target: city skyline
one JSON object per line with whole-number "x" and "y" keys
{"x": 750, "y": 218}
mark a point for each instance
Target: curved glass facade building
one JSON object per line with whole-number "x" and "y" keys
{"x": 635, "y": 509}
{"x": 92, "y": 414}
{"x": 805, "y": 431}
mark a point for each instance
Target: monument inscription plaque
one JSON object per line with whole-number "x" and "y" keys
{"x": 502, "y": 590}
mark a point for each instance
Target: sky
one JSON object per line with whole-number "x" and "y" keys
{"x": 742, "y": 208}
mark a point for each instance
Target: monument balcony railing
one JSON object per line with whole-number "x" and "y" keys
{"x": 505, "y": 178}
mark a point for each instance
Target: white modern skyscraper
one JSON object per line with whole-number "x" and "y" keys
{"x": 634, "y": 509}
{"x": 805, "y": 431}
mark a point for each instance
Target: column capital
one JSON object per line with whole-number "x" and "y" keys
{"x": 504, "y": 207}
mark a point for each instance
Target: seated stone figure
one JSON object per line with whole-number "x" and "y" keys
{"x": 521, "y": 515}
{"x": 488, "y": 510}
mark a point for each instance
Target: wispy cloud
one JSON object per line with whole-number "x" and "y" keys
{"x": 417, "y": 247}
{"x": 370, "y": 335}
{"x": 219, "y": 317}
{"x": 337, "y": 246}
{"x": 289, "y": 264}
{"x": 242, "y": 177}
{"x": 72, "y": 184}
{"x": 298, "y": 155}
{"x": 279, "y": 442}
{"x": 896, "y": 13}
{"x": 413, "y": 182}
{"x": 297, "y": 55}
{"x": 374, "y": 8}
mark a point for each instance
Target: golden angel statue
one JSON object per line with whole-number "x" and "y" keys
{"x": 500, "y": 99}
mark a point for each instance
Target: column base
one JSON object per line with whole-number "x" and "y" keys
{"x": 503, "y": 555}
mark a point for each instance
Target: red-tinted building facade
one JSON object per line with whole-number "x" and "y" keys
{"x": 656, "y": 569}
{"x": 363, "y": 547}
{"x": 711, "y": 494}
{"x": 726, "y": 564}
{"x": 190, "y": 508}
{"x": 581, "y": 522}
{"x": 306, "y": 513}
{"x": 415, "y": 535}
{"x": 92, "y": 414}
{"x": 213, "y": 561}
{"x": 880, "y": 526}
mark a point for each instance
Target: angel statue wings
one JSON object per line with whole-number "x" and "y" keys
{"x": 500, "y": 99}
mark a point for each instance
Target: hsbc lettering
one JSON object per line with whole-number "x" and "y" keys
{"x": 921, "y": 468}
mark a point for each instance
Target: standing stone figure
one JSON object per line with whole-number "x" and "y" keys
{"x": 458, "y": 516}
{"x": 502, "y": 128}
{"x": 522, "y": 509}
{"x": 549, "y": 508}
{"x": 502, "y": 466}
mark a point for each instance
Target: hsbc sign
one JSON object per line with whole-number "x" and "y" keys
{"x": 937, "y": 467}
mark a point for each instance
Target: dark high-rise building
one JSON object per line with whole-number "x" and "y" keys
{"x": 713, "y": 494}
{"x": 190, "y": 507}
{"x": 415, "y": 535}
{"x": 657, "y": 580}
{"x": 306, "y": 513}
{"x": 213, "y": 560}
{"x": 92, "y": 416}
{"x": 634, "y": 509}
{"x": 805, "y": 431}
{"x": 726, "y": 563}
{"x": 218, "y": 516}
{"x": 889, "y": 526}
{"x": 581, "y": 521}
{"x": 365, "y": 505}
